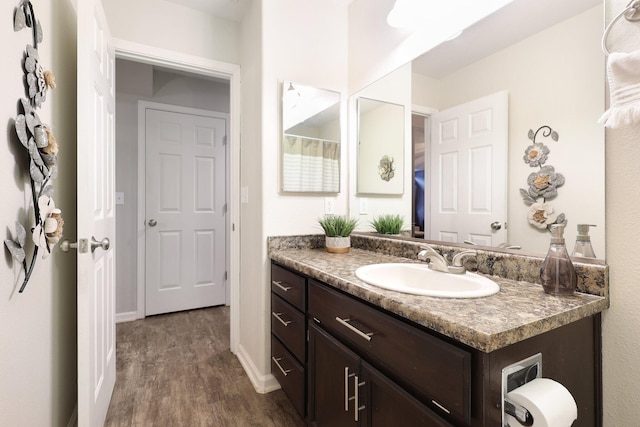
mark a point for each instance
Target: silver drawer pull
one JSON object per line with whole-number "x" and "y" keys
{"x": 440, "y": 406}
{"x": 277, "y": 362}
{"x": 279, "y": 284}
{"x": 356, "y": 408}
{"x": 277, "y": 316}
{"x": 366, "y": 335}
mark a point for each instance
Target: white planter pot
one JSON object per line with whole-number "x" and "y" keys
{"x": 338, "y": 245}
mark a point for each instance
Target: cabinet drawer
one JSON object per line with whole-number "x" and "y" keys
{"x": 287, "y": 323}
{"x": 433, "y": 370}
{"x": 289, "y": 286}
{"x": 289, "y": 374}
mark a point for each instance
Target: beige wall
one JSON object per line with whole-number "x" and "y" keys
{"x": 170, "y": 26}
{"x": 37, "y": 327}
{"x": 621, "y": 323}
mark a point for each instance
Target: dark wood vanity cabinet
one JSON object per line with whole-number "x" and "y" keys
{"x": 359, "y": 365}
{"x": 289, "y": 334}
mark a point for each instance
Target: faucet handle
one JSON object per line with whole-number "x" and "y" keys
{"x": 459, "y": 257}
{"x": 456, "y": 262}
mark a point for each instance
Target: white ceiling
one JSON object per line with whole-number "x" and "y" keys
{"x": 227, "y": 9}
{"x": 514, "y": 22}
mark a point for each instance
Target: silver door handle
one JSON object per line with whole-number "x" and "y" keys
{"x": 82, "y": 245}
{"x": 496, "y": 225}
{"x": 152, "y": 223}
{"x": 104, "y": 244}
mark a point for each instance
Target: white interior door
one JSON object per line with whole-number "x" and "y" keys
{"x": 469, "y": 172}
{"x": 96, "y": 215}
{"x": 185, "y": 210}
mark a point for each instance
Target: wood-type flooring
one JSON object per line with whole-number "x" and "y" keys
{"x": 176, "y": 370}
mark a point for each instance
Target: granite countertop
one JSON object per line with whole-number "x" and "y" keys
{"x": 519, "y": 311}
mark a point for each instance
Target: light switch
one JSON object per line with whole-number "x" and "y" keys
{"x": 119, "y": 198}
{"x": 244, "y": 194}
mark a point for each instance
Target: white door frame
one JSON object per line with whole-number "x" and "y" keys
{"x": 206, "y": 67}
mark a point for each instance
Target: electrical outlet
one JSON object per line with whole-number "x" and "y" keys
{"x": 329, "y": 206}
{"x": 364, "y": 205}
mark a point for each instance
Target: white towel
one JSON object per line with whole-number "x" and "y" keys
{"x": 623, "y": 73}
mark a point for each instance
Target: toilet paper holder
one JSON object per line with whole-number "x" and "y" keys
{"x": 514, "y": 376}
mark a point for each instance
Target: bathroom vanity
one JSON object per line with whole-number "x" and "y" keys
{"x": 348, "y": 353}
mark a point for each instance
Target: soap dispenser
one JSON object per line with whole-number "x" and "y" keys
{"x": 583, "y": 246}
{"x": 557, "y": 273}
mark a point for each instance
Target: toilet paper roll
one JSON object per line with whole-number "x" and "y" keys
{"x": 548, "y": 401}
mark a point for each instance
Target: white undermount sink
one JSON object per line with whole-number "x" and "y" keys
{"x": 418, "y": 279}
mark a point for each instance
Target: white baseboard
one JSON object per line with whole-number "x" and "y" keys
{"x": 73, "y": 421}
{"x": 262, "y": 383}
{"x": 126, "y": 317}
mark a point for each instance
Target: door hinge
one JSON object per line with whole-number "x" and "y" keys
{"x": 224, "y": 209}
{"x": 307, "y": 335}
{"x": 224, "y": 140}
{"x": 226, "y": 275}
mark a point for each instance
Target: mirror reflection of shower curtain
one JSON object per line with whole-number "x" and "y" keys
{"x": 310, "y": 164}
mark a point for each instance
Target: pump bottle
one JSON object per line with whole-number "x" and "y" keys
{"x": 583, "y": 246}
{"x": 557, "y": 273}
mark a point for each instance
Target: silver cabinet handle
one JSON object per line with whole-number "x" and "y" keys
{"x": 279, "y": 284}
{"x": 347, "y": 375}
{"x": 285, "y": 372}
{"x": 152, "y": 223}
{"x": 356, "y": 408}
{"x": 277, "y": 316}
{"x": 104, "y": 244}
{"x": 366, "y": 335}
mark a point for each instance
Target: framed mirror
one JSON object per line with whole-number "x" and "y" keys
{"x": 381, "y": 139}
{"x": 310, "y": 148}
{"x": 553, "y": 71}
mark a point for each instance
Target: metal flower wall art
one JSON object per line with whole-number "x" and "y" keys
{"x": 386, "y": 168}
{"x": 543, "y": 184}
{"x": 42, "y": 149}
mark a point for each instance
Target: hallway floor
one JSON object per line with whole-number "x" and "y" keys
{"x": 177, "y": 370}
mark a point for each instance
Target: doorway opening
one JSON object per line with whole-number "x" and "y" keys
{"x": 168, "y": 77}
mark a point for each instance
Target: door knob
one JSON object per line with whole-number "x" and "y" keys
{"x": 104, "y": 244}
{"x": 496, "y": 225}
{"x": 152, "y": 223}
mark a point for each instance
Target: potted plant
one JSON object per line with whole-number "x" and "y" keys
{"x": 388, "y": 224}
{"x": 337, "y": 231}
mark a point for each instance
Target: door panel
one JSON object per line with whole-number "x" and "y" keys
{"x": 96, "y": 214}
{"x": 186, "y": 199}
{"x": 329, "y": 392}
{"x": 468, "y": 170}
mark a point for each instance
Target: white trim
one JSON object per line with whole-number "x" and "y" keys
{"x": 420, "y": 109}
{"x": 73, "y": 420}
{"x": 143, "y": 106}
{"x": 208, "y": 67}
{"x": 128, "y": 316}
{"x": 261, "y": 383}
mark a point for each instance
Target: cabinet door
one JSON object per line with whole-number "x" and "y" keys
{"x": 333, "y": 371}
{"x": 389, "y": 405}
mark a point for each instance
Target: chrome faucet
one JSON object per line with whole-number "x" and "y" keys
{"x": 439, "y": 263}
